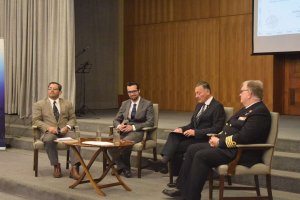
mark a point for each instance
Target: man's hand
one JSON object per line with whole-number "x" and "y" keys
{"x": 214, "y": 141}
{"x": 189, "y": 133}
{"x": 178, "y": 130}
{"x": 125, "y": 128}
{"x": 64, "y": 130}
{"x": 52, "y": 130}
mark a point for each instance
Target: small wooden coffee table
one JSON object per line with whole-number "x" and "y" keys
{"x": 109, "y": 164}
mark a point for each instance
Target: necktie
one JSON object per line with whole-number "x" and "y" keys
{"x": 133, "y": 111}
{"x": 55, "y": 111}
{"x": 200, "y": 111}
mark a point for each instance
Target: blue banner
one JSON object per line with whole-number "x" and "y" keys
{"x": 2, "y": 116}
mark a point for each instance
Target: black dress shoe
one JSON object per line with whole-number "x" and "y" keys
{"x": 127, "y": 173}
{"x": 158, "y": 166}
{"x": 172, "y": 192}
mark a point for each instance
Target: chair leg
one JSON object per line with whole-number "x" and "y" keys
{"x": 269, "y": 186}
{"x": 257, "y": 185}
{"x": 229, "y": 181}
{"x": 68, "y": 159}
{"x": 104, "y": 161}
{"x": 139, "y": 163}
{"x": 221, "y": 187}
{"x": 210, "y": 184}
{"x": 154, "y": 154}
{"x": 171, "y": 181}
{"x": 35, "y": 161}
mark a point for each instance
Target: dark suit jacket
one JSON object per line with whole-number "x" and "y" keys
{"x": 248, "y": 126}
{"x": 43, "y": 117}
{"x": 211, "y": 120}
{"x": 144, "y": 116}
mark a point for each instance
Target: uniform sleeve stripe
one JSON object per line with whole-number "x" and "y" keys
{"x": 229, "y": 142}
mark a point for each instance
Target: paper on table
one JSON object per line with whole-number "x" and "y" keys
{"x": 64, "y": 139}
{"x": 98, "y": 143}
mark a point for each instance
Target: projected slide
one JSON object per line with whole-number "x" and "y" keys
{"x": 278, "y": 17}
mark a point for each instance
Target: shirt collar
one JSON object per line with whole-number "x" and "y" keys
{"x": 136, "y": 102}
{"x": 208, "y": 101}
{"x": 251, "y": 105}
{"x": 51, "y": 100}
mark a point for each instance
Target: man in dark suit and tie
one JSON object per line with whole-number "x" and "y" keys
{"x": 55, "y": 116}
{"x": 250, "y": 125}
{"x": 134, "y": 114}
{"x": 208, "y": 117}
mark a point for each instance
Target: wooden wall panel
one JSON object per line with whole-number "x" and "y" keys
{"x": 237, "y": 64}
{"x": 292, "y": 85}
{"x": 175, "y": 43}
{"x": 195, "y": 9}
{"x": 235, "y": 7}
{"x": 158, "y": 11}
{"x": 169, "y": 59}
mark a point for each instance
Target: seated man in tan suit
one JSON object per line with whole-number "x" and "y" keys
{"x": 55, "y": 116}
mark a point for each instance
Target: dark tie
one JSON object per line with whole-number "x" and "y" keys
{"x": 133, "y": 111}
{"x": 55, "y": 111}
{"x": 200, "y": 111}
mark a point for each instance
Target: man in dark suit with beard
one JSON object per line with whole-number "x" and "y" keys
{"x": 250, "y": 125}
{"x": 208, "y": 117}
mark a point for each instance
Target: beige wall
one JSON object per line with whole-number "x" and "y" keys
{"x": 171, "y": 44}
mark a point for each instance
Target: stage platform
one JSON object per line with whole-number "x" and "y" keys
{"x": 289, "y": 126}
{"x": 18, "y": 182}
{"x": 17, "y": 179}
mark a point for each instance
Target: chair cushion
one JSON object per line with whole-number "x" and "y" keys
{"x": 38, "y": 144}
{"x": 139, "y": 147}
{"x": 258, "y": 168}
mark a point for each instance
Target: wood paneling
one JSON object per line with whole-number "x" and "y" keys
{"x": 237, "y": 64}
{"x": 172, "y": 44}
{"x": 292, "y": 85}
{"x": 170, "y": 58}
{"x": 158, "y": 11}
{"x": 235, "y": 7}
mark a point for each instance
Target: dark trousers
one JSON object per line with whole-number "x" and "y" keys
{"x": 177, "y": 144}
{"x": 198, "y": 161}
{"x": 122, "y": 156}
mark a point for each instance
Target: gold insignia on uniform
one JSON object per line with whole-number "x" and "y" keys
{"x": 229, "y": 142}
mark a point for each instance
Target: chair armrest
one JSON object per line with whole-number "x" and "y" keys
{"x": 146, "y": 131}
{"x": 149, "y": 128}
{"x": 254, "y": 146}
{"x": 241, "y": 147}
{"x": 35, "y": 133}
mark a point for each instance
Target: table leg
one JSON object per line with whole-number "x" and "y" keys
{"x": 86, "y": 170}
{"x": 111, "y": 166}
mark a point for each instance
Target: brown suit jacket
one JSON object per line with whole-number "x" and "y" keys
{"x": 43, "y": 117}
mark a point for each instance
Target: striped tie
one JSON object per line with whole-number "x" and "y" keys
{"x": 55, "y": 111}
{"x": 133, "y": 112}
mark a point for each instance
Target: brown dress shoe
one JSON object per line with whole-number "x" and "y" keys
{"x": 57, "y": 171}
{"x": 74, "y": 173}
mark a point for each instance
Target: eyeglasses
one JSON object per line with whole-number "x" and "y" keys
{"x": 53, "y": 89}
{"x": 243, "y": 91}
{"x": 131, "y": 92}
